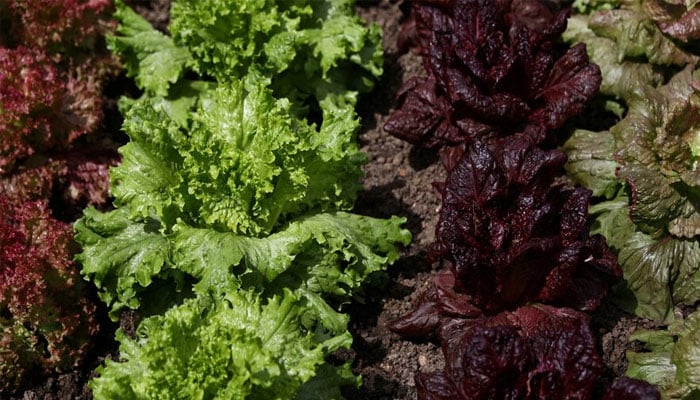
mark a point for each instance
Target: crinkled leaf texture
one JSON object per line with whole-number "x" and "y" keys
{"x": 241, "y": 163}
{"x": 243, "y": 166}
{"x": 492, "y": 69}
{"x": 670, "y": 358}
{"x": 227, "y": 234}
{"x": 630, "y": 44}
{"x": 303, "y": 50}
{"x": 533, "y": 352}
{"x": 511, "y": 236}
{"x": 591, "y": 162}
{"x": 54, "y": 66}
{"x": 654, "y": 223}
{"x": 327, "y": 255}
{"x": 677, "y": 19}
{"x": 31, "y": 91}
{"x": 46, "y": 320}
{"x": 235, "y": 345}
{"x": 71, "y": 179}
{"x": 151, "y": 57}
{"x": 45, "y": 106}
{"x": 62, "y": 27}
{"x": 588, "y": 6}
{"x": 620, "y": 76}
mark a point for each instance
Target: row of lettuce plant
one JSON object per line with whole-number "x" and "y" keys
{"x": 644, "y": 170}
{"x": 231, "y": 237}
{"x": 54, "y": 161}
{"x": 512, "y": 309}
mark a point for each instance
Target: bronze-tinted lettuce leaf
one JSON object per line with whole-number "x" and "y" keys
{"x": 630, "y": 45}
{"x": 653, "y": 216}
{"x": 679, "y": 19}
{"x": 636, "y": 35}
{"x": 591, "y": 161}
{"x": 657, "y": 144}
{"x": 620, "y": 75}
{"x": 669, "y": 358}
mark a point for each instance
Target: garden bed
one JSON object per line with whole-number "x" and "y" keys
{"x": 398, "y": 181}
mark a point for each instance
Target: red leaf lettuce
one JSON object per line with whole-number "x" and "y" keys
{"x": 46, "y": 321}
{"x": 53, "y": 68}
{"x": 493, "y": 68}
{"x": 534, "y": 352}
{"x": 512, "y": 236}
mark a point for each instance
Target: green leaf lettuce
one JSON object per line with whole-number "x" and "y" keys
{"x": 646, "y": 166}
{"x": 670, "y": 358}
{"x": 234, "y": 347}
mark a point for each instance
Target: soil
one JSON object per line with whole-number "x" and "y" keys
{"x": 398, "y": 181}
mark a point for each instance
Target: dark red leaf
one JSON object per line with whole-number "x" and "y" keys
{"x": 512, "y": 236}
{"x": 493, "y": 68}
{"x": 625, "y": 388}
{"x": 58, "y": 26}
{"x": 46, "y": 319}
{"x": 30, "y": 99}
{"x": 535, "y": 352}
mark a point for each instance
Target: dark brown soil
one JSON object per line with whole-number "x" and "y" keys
{"x": 398, "y": 181}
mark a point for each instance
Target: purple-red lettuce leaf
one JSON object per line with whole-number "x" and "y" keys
{"x": 60, "y": 27}
{"x": 625, "y": 388}
{"x": 46, "y": 320}
{"x": 60, "y": 49}
{"x": 677, "y": 19}
{"x": 30, "y": 100}
{"x": 511, "y": 236}
{"x": 43, "y": 111}
{"x": 53, "y": 71}
{"x": 491, "y": 68}
{"x": 533, "y": 352}
{"x": 71, "y": 179}
{"x": 437, "y": 310}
